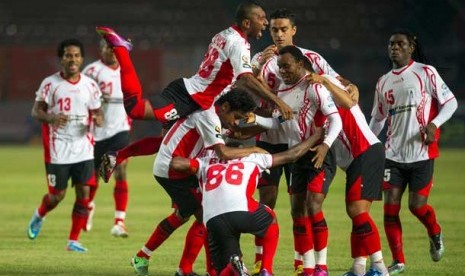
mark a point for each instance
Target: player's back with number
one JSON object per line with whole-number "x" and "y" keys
{"x": 228, "y": 186}
{"x": 227, "y": 57}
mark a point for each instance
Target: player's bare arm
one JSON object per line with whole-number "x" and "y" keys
{"x": 227, "y": 153}
{"x": 39, "y": 112}
{"x": 297, "y": 151}
{"x": 97, "y": 117}
{"x": 340, "y": 96}
{"x": 250, "y": 83}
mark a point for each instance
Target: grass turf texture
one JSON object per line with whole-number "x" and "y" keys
{"x": 23, "y": 185}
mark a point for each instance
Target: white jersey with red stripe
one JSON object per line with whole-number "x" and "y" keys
{"x": 309, "y": 102}
{"x": 72, "y": 143}
{"x": 188, "y": 138}
{"x": 114, "y": 115}
{"x": 228, "y": 186}
{"x": 410, "y": 97}
{"x": 270, "y": 73}
{"x": 356, "y": 136}
{"x": 227, "y": 57}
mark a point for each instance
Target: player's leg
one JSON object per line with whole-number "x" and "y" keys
{"x": 364, "y": 184}
{"x": 420, "y": 186}
{"x": 394, "y": 185}
{"x": 57, "y": 181}
{"x": 317, "y": 189}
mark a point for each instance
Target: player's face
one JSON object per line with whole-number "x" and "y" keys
{"x": 230, "y": 119}
{"x": 400, "y": 50}
{"x": 290, "y": 69}
{"x": 258, "y": 23}
{"x": 108, "y": 56}
{"x": 282, "y": 31}
{"x": 71, "y": 61}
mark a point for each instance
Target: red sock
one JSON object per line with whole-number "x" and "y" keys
{"x": 144, "y": 146}
{"x": 427, "y": 216}
{"x": 319, "y": 231}
{"x": 161, "y": 233}
{"x": 393, "y": 230}
{"x": 45, "y": 206}
{"x": 258, "y": 243}
{"x": 270, "y": 243}
{"x": 365, "y": 238}
{"x": 194, "y": 241}
{"x": 303, "y": 239}
{"x": 120, "y": 194}
{"x": 228, "y": 271}
{"x": 92, "y": 192}
{"x": 130, "y": 83}
{"x": 79, "y": 218}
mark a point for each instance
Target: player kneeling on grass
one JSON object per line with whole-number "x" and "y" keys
{"x": 229, "y": 208}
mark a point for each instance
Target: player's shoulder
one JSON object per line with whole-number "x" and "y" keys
{"x": 308, "y": 52}
{"x": 93, "y": 67}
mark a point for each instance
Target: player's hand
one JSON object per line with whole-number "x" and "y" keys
{"x": 315, "y": 78}
{"x": 98, "y": 119}
{"x": 320, "y": 153}
{"x": 268, "y": 53}
{"x": 430, "y": 132}
{"x": 285, "y": 109}
{"x": 59, "y": 120}
{"x": 353, "y": 92}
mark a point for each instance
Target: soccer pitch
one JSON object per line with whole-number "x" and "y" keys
{"x": 23, "y": 185}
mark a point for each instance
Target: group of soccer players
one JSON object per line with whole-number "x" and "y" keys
{"x": 306, "y": 119}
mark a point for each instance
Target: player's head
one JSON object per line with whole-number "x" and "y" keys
{"x": 404, "y": 46}
{"x": 251, "y": 18}
{"x": 234, "y": 106}
{"x": 107, "y": 54}
{"x": 282, "y": 27}
{"x": 292, "y": 64}
{"x": 71, "y": 54}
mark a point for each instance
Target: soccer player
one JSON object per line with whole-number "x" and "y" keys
{"x": 311, "y": 104}
{"x": 416, "y": 102}
{"x": 188, "y": 138}
{"x": 282, "y": 29}
{"x": 229, "y": 207}
{"x": 361, "y": 155}
{"x": 66, "y": 102}
{"x": 113, "y": 135}
{"x": 226, "y": 61}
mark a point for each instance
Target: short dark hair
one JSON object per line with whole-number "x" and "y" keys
{"x": 283, "y": 14}
{"x": 243, "y": 10}
{"x": 298, "y": 55}
{"x": 238, "y": 99}
{"x": 69, "y": 42}
{"x": 418, "y": 54}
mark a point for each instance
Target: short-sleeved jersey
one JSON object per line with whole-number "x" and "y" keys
{"x": 228, "y": 186}
{"x": 73, "y": 143}
{"x": 308, "y": 102}
{"x": 410, "y": 97}
{"x": 270, "y": 73}
{"x": 114, "y": 114}
{"x": 356, "y": 136}
{"x": 188, "y": 138}
{"x": 227, "y": 57}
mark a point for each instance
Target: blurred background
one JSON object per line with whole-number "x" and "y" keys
{"x": 171, "y": 37}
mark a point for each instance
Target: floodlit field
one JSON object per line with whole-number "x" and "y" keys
{"x": 22, "y": 186}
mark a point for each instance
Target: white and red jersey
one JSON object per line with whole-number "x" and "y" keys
{"x": 188, "y": 138}
{"x": 114, "y": 114}
{"x": 228, "y": 186}
{"x": 356, "y": 136}
{"x": 310, "y": 103}
{"x": 410, "y": 97}
{"x": 227, "y": 57}
{"x": 73, "y": 143}
{"x": 270, "y": 73}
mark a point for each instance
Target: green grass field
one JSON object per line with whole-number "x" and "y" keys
{"x": 23, "y": 185}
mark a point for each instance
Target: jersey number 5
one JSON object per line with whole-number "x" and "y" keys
{"x": 218, "y": 174}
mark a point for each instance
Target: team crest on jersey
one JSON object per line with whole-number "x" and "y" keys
{"x": 246, "y": 62}
{"x": 218, "y": 132}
